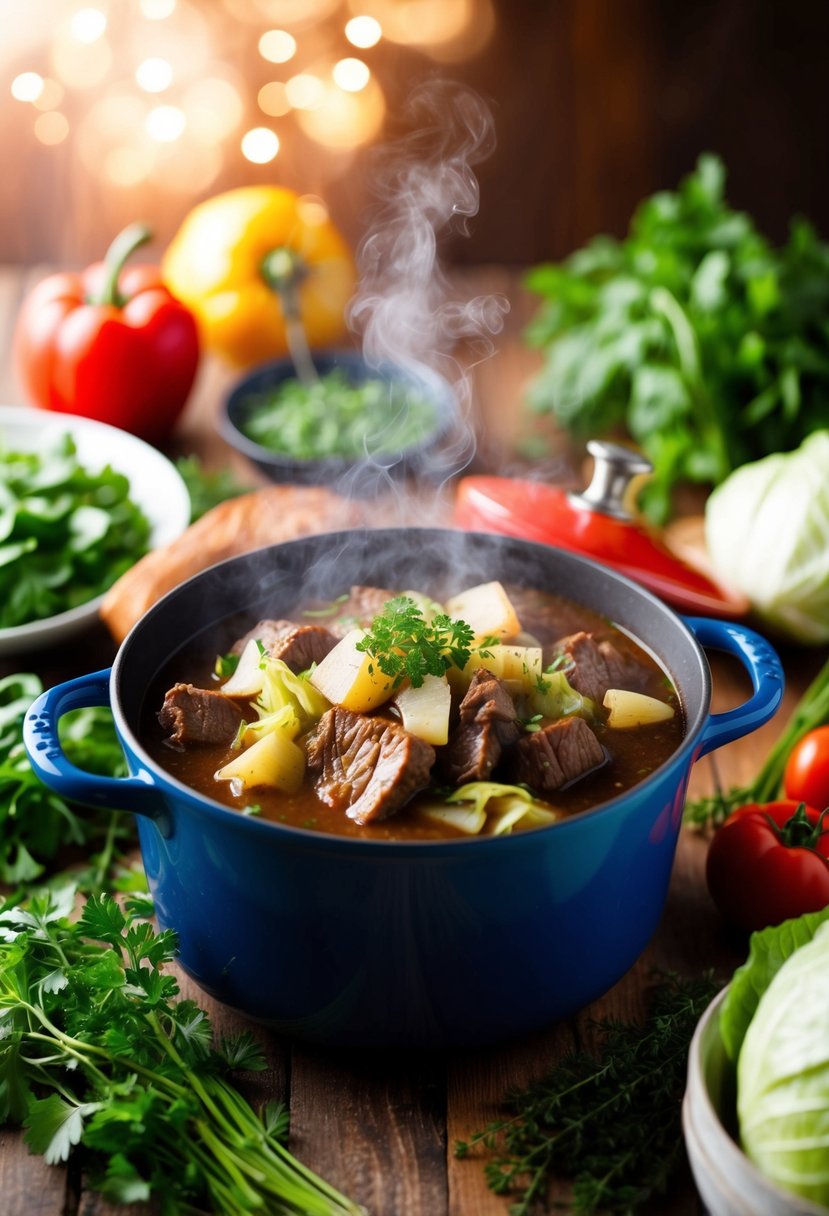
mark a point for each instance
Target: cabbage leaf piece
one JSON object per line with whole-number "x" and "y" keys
{"x": 783, "y": 1075}
{"x": 288, "y": 703}
{"x": 768, "y": 951}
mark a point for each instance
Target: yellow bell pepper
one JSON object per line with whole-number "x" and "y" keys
{"x": 218, "y": 265}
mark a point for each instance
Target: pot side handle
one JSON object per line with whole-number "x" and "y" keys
{"x": 763, "y": 666}
{"x": 47, "y": 758}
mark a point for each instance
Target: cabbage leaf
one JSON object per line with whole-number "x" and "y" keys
{"x": 783, "y": 1075}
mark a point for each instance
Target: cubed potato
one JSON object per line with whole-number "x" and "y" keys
{"x": 275, "y": 761}
{"x": 628, "y": 709}
{"x": 521, "y": 664}
{"x": 348, "y": 677}
{"x": 424, "y": 711}
{"x": 248, "y": 677}
{"x": 487, "y": 608}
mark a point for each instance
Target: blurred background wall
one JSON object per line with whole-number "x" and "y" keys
{"x": 116, "y": 110}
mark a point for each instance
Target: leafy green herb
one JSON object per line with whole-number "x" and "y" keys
{"x": 609, "y": 1122}
{"x": 35, "y": 822}
{"x": 405, "y": 646}
{"x": 66, "y": 533}
{"x": 98, "y": 1054}
{"x": 708, "y": 345}
{"x": 334, "y": 418}
{"x": 207, "y": 487}
{"x": 811, "y": 711}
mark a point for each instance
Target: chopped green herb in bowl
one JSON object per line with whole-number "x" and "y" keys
{"x": 335, "y": 419}
{"x": 349, "y": 419}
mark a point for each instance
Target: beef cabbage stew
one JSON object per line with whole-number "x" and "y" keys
{"x": 389, "y": 716}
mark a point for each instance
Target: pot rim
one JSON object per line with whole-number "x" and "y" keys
{"x": 681, "y": 757}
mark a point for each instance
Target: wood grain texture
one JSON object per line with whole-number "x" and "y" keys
{"x": 374, "y": 1124}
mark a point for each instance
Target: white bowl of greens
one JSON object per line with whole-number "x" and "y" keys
{"x": 80, "y": 502}
{"x": 756, "y": 1109}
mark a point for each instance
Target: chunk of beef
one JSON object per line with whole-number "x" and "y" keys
{"x": 360, "y": 609}
{"x": 197, "y": 715}
{"x": 487, "y": 725}
{"x": 593, "y": 666}
{"x": 557, "y": 754}
{"x": 368, "y": 767}
{"x": 297, "y": 645}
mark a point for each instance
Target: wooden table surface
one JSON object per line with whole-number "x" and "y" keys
{"x": 382, "y": 1127}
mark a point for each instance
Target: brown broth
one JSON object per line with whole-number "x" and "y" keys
{"x": 633, "y": 753}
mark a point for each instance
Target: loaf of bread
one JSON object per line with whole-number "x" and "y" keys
{"x": 263, "y": 517}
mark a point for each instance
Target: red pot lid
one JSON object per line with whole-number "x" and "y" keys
{"x": 596, "y": 525}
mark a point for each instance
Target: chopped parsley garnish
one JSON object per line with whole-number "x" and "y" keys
{"x": 405, "y": 646}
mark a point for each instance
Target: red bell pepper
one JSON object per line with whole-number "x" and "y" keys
{"x": 110, "y": 343}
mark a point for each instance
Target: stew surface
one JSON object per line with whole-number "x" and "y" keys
{"x": 546, "y": 734}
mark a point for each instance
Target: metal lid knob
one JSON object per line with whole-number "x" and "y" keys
{"x": 615, "y": 468}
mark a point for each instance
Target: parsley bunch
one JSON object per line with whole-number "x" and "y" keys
{"x": 97, "y": 1052}
{"x": 35, "y": 822}
{"x": 611, "y": 1122}
{"x": 406, "y": 646}
{"x": 707, "y": 344}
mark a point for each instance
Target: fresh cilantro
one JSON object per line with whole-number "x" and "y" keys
{"x": 406, "y": 646}
{"x": 707, "y": 344}
{"x": 98, "y": 1056}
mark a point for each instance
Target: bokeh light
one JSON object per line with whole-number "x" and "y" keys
{"x": 351, "y": 75}
{"x": 277, "y": 46}
{"x": 52, "y": 127}
{"x": 127, "y": 166}
{"x": 214, "y": 108}
{"x": 272, "y": 99}
{"x": 51, "y": 95}
{"x": 363, "y": 31}
{"x": 87, "y": 24}
{"x": 157, "y": 10}
{"x": 28, "y": 86}
{"x": 345, "y": 120}
{"x": 305, "y": 91}
{"x": 165, "y": 124}
{"x": 154, "y": 75}
{"x": 423, "y": 23}
{"x": 260, "y": 145}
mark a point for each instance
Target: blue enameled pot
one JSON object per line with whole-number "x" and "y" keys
{"x": 425, "y": 943}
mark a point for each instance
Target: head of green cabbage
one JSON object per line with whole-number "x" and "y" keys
{"x": 783, "y": 1075}
{"x": 767, "y": 534}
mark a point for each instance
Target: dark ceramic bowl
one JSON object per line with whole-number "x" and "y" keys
{"x": 421, "y": 942}
{"x": 438, "y": 455}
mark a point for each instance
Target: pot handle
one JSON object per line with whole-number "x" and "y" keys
{"x": 763, "y": 666}
{"x": 46, "y": 756}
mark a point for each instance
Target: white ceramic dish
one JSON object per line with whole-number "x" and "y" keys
{"x": 155, "y": 485}
{"x": 727, "y": 1181}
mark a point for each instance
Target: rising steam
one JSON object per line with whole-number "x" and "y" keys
{"x": 405, "y": 311}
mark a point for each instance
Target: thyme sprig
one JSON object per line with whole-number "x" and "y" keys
{"x": 608, "y": 1122}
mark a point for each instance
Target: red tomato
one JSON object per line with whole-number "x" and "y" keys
{"x": 806, "y": 778}
{"x": 768, "y": 863}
